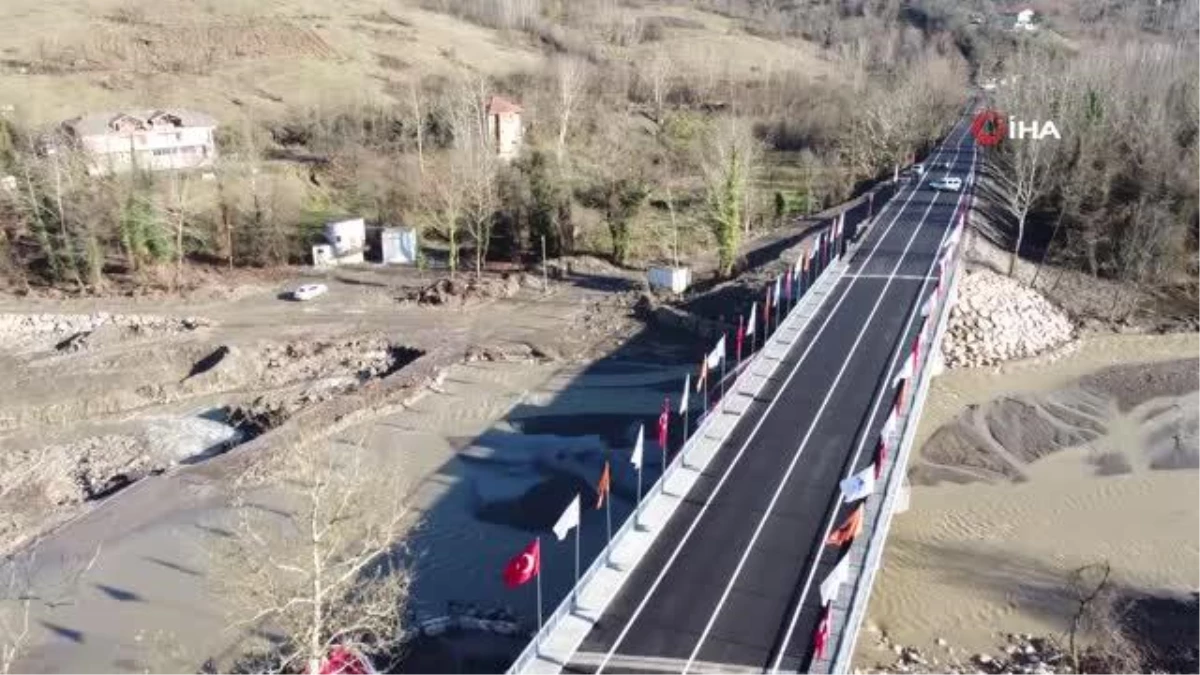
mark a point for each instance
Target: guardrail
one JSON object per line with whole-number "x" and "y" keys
{"x": 869, "y": 559}
{"x": 565, "y": 608}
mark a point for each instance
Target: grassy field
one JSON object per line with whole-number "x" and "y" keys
{"x": 239, "y": 59}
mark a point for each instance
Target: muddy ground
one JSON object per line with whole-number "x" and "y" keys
{"x": 133, "y": 417}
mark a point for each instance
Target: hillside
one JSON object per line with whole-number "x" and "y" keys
{"x": 234, "y": 58}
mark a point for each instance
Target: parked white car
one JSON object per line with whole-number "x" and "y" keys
{"x": 947, "y": 184}
{"x": 309, "y": 291}
{"x": 918, "y": 170}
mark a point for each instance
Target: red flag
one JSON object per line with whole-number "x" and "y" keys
{"x": 525, "y": 566}
{"x": 821, "y": 637}
{"x": 343, "y": 661}
{"x": 741, "y": 337}
{"x": 703, "y": 374}
{"x": 664, "y": 419}
{"x": 604, "y": 486}
{"x": 787, "y": 285}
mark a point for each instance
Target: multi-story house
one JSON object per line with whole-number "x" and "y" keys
{"x": 153, "y": 140}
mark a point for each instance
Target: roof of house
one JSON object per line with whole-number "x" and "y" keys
{"x": 498, "y": 105}
{"x": 101, "y": 123}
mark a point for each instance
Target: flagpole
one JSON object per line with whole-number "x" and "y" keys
{"x": 723, "y": 366}
{"x": 539, "y": 589}
{"x": 608, "y": 509}
{"x": 575, "y": 591}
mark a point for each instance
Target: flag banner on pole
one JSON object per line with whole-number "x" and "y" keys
{"x": 892, "y": 425}
{"x": 837, "y": 576}
{"x": 880, "y": 456}
{"x": 753, "y": 318}
{"x": 604, "y": 486}
{"x": 767, "y": 304}
{"x": 703, "y": 374}
{"x": 664, "y": 421}
{"x": 849, "y": 529}
{"x": 568, "y": 520}
{"x": 525, "y": 566}
{"x": 717, "y": 355}
{"x": 906, "y": 371}
{"x": 821, "y": 635}
{"x": 740, "y": 338}
{"x": 787, "y": 285}
{"x": 930, "y": 302}
{"x": 683, "y": 400}
{"x": 859, "y": 485}
{"x": 638, "y": 448}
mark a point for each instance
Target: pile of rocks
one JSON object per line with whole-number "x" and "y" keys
{"x": 1022, "y": 653}
{"x": 73, "y": 332}
{"x": 997, "y": 319}
{"x": 467, "y": 289}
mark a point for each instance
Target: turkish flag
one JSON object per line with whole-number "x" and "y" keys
{"x": 880, "y": 456}
{"x": 524, "y": 566}
{"x": 821, "y": 636}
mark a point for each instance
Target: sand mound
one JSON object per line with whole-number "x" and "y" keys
{"x": 995, "y": 441}
{"x": 997, "y": 319}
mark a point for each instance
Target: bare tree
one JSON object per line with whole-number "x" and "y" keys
{"x": 728, "y": 159}
{"x": 318, "y": 562}
{"x": 571, "y": 77}
{"x": 1019, "y": 166}
{"x": 658, "y": 74}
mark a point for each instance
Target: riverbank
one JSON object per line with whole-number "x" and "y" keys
{"x": 1030, "y": 471}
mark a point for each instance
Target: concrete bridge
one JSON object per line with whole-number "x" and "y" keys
{"x": 722, "y": 572}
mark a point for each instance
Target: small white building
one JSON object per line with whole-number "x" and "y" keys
{"x": 504, "y": 127}
{"x": 1024, "y": 20}
{"x": 149, "y": 139}
{"x": 348, "y": 238}
{"x": 398, "y": 245}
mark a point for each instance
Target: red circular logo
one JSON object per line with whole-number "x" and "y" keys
{"x": 989, "y": 127}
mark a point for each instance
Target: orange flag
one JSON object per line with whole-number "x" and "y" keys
{"x": 603, "y": 487}
{"x": 850, "y": 529}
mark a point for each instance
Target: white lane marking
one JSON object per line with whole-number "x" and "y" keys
{"x": 913, "y": 313}
{"x": 812, "y": 427}
{"x": 737, "y": 457}
{"x": 903, "y": 277}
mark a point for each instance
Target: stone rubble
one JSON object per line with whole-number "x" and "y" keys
{"x": 1022, "y": 653}
{"x": 74, "y": 332}
{"x": 997, "y": 319}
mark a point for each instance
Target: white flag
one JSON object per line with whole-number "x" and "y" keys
{"x": 906, "y": 371}
{"x": 568, "y": 519}
{"x": 753, "y": 318}
{"x": 717, "y": 354}
{"x": 687, "y": 386}
{"x": 636, "y": 458}
{"x": 891, "y": 426}
{"x": 859, "y": 485}
{"x": 777, "y": 282}
{"x": 837, "y": 576}
{"x": 927, "y": 308}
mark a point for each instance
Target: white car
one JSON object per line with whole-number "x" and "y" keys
{"x": 948, "y": 184}
{"x": 918, "y": 170}
{"x": 309, "y": 291}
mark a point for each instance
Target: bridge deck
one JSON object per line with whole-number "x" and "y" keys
{"x": 733, "y": 578}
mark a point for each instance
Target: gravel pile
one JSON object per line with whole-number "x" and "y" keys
{"x": 997, "y": 319}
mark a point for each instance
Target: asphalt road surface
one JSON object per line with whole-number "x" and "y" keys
{"x": 731, "y": 583}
